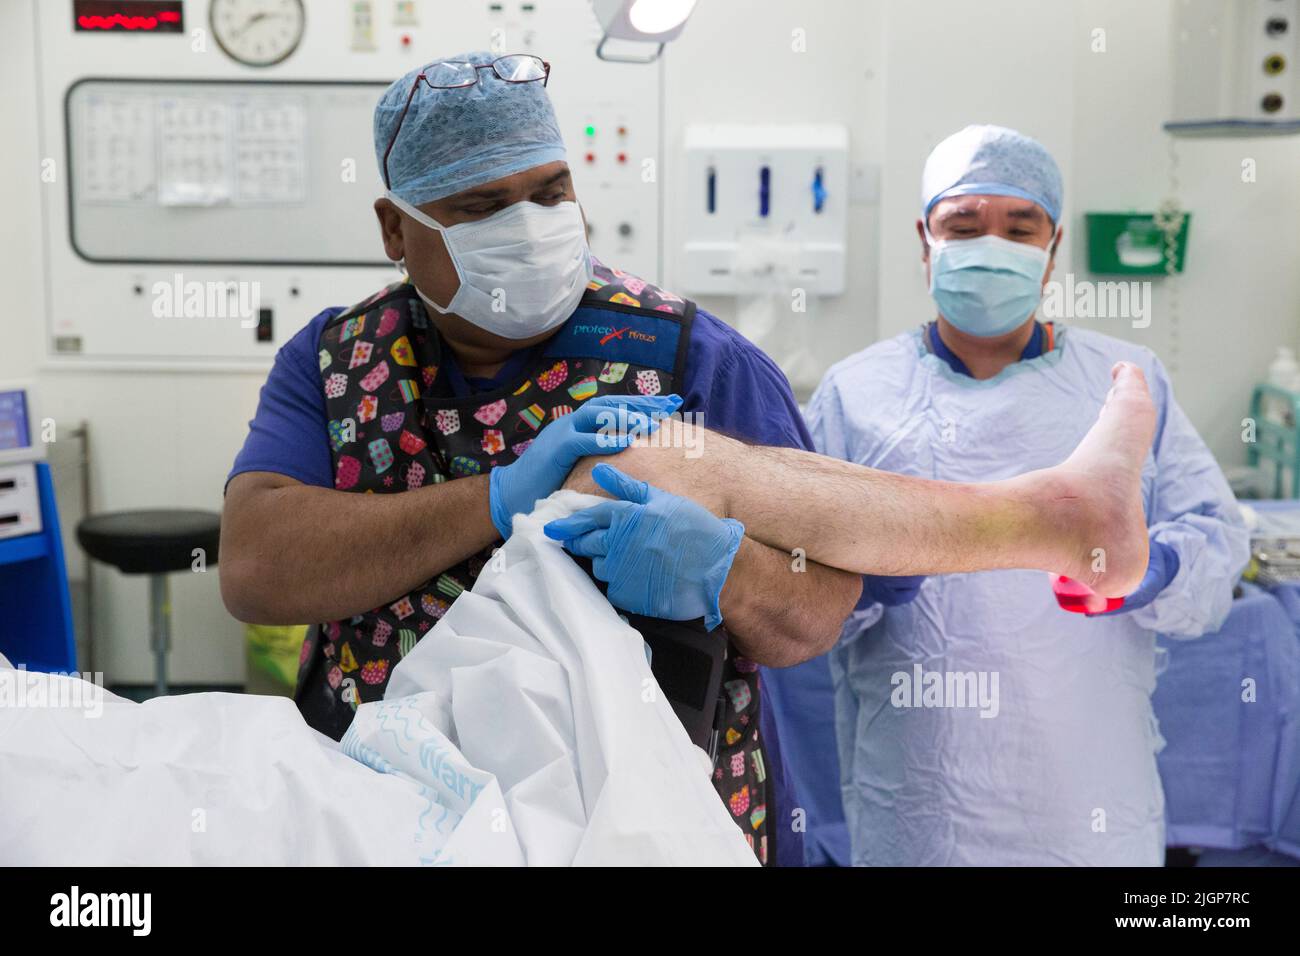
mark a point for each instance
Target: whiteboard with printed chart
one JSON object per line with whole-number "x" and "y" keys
{"x": 219, "y": 152}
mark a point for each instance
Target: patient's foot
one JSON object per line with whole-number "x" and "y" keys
{"x": 1096, "y": 493}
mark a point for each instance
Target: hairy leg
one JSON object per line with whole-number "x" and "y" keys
{"x": 679, "y": 458}
{"x": 1082, "y": 518}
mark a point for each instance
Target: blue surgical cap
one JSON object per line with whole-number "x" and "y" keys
{"x": 453, "y": 140}
{"x": 992, "y": 161}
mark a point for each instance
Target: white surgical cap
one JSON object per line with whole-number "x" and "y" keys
{"x": 453, "y": 140}
{"x": 991, "y": 161}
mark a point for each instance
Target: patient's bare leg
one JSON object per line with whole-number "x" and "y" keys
{"x": 1082, "y": 518}
{"x": 679, "y": 458}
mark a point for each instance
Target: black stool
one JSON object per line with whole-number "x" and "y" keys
{"x": 155, "y": 542}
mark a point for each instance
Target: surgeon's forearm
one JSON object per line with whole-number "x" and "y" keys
{"x": 781, "y": 609}
{"x": 298, "y": 554}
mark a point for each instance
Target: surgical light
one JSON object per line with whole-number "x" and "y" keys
{"x": 640, "y": 21}
{"x": 659, "y": 16}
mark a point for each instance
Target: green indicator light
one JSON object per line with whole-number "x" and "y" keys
{"x": 591, "y": 131}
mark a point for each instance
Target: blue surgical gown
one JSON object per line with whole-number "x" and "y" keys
{"x": 981, "y": 724}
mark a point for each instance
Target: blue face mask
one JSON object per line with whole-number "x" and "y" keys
{"x": 986, "y": 286}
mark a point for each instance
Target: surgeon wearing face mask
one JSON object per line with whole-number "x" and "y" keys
{"x": 1050, "y": 757}
{"x": 397, "y": 438}
{"x": 508, "y": 273}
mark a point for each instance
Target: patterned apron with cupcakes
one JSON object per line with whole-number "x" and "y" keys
{"x": 395, "y": 424}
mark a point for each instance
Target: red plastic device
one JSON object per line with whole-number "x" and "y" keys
{"x": 1081, "y": 599}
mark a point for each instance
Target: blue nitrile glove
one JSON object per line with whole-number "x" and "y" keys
{"x": 661, "y": 555}
{"x": 1162, "y": 567}
{"x": 599, "y": 427}
{"x": 890, "y": 591}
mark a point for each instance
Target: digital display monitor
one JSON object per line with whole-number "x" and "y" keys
{"x": 15, "y": 428}
{"x": 127, "y": 16}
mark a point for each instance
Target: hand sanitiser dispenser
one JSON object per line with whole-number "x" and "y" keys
{"x": 765, "y": 204}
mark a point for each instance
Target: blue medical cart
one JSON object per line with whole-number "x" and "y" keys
{"x": 35, "y": 608}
